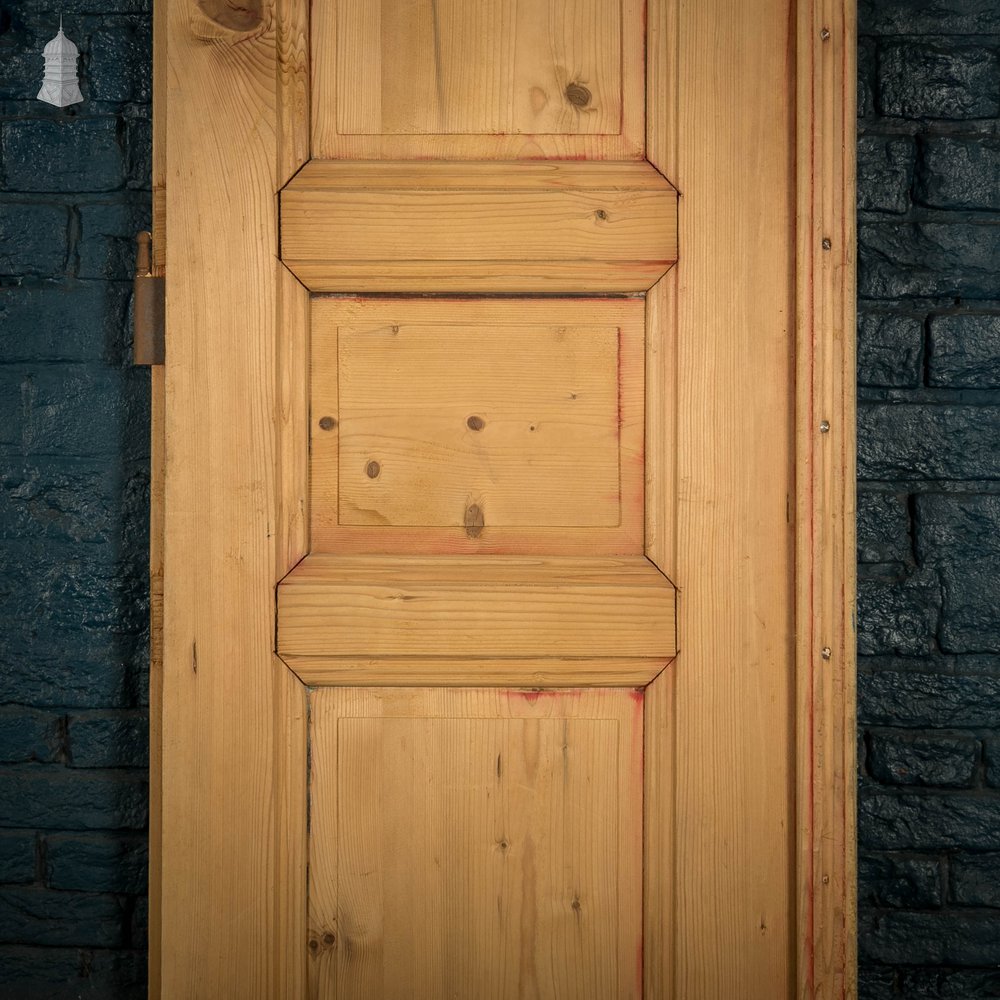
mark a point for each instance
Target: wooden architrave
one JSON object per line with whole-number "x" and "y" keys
{"x": 755, "y": 882}
{"x": 826, "y": 647}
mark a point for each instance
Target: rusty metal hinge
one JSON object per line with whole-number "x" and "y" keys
{"x": 148, "y": 306}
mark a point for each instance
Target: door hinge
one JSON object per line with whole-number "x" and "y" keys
{"x": 148, "y": 306}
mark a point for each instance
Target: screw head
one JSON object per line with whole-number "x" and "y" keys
{"x": 824, "y": 427}
{"x": 826, "y": 652}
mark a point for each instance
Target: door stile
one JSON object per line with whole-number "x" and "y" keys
{"x": 825, "y": 492}
{"x": 236, "y": 127}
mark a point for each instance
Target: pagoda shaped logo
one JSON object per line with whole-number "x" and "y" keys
{"x": 60, "y": 85}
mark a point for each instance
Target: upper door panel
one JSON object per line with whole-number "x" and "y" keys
{"x": 490, "y": 79}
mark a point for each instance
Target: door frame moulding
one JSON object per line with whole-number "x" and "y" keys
{"x": 258, "y": 523}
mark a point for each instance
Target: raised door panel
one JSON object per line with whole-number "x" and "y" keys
{"x": 485, "y": 80}
{"x": 481, "y": 844}
{"x": 477, "y": 426}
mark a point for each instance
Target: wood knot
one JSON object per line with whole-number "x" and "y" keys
{"x": 327, "y": 423}
{"x": 241, "y": 17}
{"x": 475, "y": 423}
{"x": 474, "y": 521}
{"x": 372, "y": 470}
{"x": 578, "y": 95}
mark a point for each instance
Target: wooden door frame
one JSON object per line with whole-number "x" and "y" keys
{"x": 231, "y": 97}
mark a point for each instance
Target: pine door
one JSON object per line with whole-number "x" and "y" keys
{"x": 495, "y": 501}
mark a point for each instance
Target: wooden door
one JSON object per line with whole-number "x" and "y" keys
{"x": 506, "y": 500}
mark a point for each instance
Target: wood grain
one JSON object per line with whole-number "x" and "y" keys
{"x": 825, "y": 508}
{"x": 462, "y": 844}
{"x": 501, "y": 606}
{"x": 446, "y": 79}
{"x": 721, "y": 85}
{"x": 520, "y": 420}
{"x": 557, "y": 465}
{"x": 235, "y": 132}
{"x": 659, "y": 848}
{"x": 453, "y": 227}
{"x": 548, "y": 672}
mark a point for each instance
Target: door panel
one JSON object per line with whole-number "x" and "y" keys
{"x": 479, "y": 844}
{"x": 497, "y": 79}
{"x": 475, "y": 426}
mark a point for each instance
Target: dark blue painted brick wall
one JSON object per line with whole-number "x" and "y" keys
{"x": 73, "y": 431}
{"x": 929, "y": 498}
{"x": 74, "y": 189}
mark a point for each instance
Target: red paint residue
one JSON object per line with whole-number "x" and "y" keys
{"x": 531, "y": 695}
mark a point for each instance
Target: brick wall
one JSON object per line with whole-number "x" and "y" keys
{"x": 74, "y": 189}
{"x": 929, "y": 498}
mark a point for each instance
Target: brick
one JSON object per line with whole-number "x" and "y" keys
{"x": 81, "y": 587}
{"x": 941, "y": 938}
{"x": 883, "y": 528}
{"x": 949, "y": 984}
{"x": 876, "y": 983}
{"x": 889, "y": 820}
{"x": 61, "y": 799}
{"x": 885, "y": 172}
{"x": 18, "y": 856}
{"x": 120, "y": 55}
{"x": 139, "y": 146}
{"x": 965, "y": 351}
{"x": 82, "y": 321}
{"x": 991, "y": 754}
{"x": 890, "y": 350}
{"x": 893, "y": 697}
{"x": 944, "y": 259}
{"x": 920, "y": 79}
{"x": 959, "y": 535}
{"x": 99, "y": 862}
{"x": 890, "y": 880}
{"x": 77, "y": 668}
{"x": 898, "y": 757}
{"x": 20, "y": 55}
{"x": 33, "y": 915}
{"x": 61, "y": 973}
{"x": 975, "y": 879}
{"x": 904, "y": 441}
{"x": 69, "y": 155}
{"x": 898, "y": 615}
{"x": 959, "y": 173}
{"x": 106, "y": 247}
{"x": 75, "y": 500}
{"x": 77, "y": 409}
{"x": 928, "y": 17}
{"x": 29, "y": 735}
{"x": 139, "y": 931}
{"x": 106, "y": 739}
{"x": 33, "y": 238}
{"x": 866, "y": 78}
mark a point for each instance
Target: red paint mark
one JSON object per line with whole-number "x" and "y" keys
{"x": 621, "y": 383}
{"x": 531, "y": 695}
{"x": 638, "y": 695}
{"x": 552, "y": 159}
